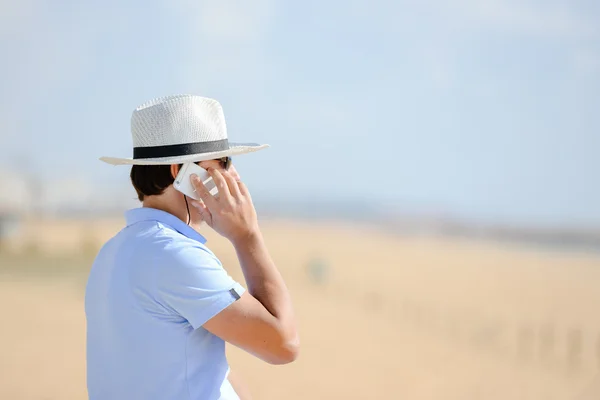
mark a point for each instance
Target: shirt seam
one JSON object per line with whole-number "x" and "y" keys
{"x": 187, "y": 380}
{"x": 198, "y": 237}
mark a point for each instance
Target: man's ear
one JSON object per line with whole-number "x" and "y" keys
{"x": 174, "y": 170}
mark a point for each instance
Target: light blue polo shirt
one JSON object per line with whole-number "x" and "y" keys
{"x": 150, "y": 290}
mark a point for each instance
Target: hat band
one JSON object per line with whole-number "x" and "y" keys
{"x": 180, "y": 149}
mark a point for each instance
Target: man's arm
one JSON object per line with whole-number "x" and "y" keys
{"x": 266, "y": 284}
{"x": 262, "y": 321}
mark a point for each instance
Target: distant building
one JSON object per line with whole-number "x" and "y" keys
{"x": 15, "y": 203}
{"x": 10, "y": 225}
{"x": 16, "y": 193}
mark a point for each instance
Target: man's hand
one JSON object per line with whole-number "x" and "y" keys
{"x": 232, "y": 213}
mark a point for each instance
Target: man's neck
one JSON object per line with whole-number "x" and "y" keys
{"x": 161, "y": 204}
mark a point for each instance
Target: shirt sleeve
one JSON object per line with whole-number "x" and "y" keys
{"x": 193, "y": 283}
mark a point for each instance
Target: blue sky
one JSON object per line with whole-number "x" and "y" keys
{"x": 484, "y": 109}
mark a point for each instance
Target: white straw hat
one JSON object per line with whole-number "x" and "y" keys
{"x": 180, "y": 129}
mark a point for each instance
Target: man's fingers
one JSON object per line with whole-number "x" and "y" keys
{"x": 220, "y": 182}
{"x": 203, "y": 210}
{"x": 234, "y": 173}
{"x": 202, "y": 191}
{"x": 244, "y": 190}
{"x": 232, "y": 184}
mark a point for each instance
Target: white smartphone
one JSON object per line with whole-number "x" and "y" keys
{"x": 183, "y": 180}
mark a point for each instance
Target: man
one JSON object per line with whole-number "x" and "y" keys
{"x": 159, "y": 305}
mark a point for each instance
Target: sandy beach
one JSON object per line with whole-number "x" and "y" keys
{"x": 381, "y": 317}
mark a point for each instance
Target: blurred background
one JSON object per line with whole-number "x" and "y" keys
{"x": 430, "y": 194}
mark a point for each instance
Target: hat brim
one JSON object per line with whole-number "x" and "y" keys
{"x": 235, "y": 149}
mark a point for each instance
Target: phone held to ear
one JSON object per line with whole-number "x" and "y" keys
{"x": 183, "y": 180}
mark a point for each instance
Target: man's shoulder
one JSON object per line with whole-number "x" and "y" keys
{"x": 152, "y": 239}
{"x": 163, "y": 242}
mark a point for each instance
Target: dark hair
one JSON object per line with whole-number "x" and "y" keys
{"x": 151, "y": 180}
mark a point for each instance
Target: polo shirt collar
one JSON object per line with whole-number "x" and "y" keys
{"x": 152, "y": 214}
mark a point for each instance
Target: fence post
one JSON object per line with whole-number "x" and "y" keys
{"x": 547, "y": 342}
{"x": 525, "y": 340}
{"x": 574, "y": 348}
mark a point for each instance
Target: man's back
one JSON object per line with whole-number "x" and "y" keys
{"x": 151, "y": 289}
